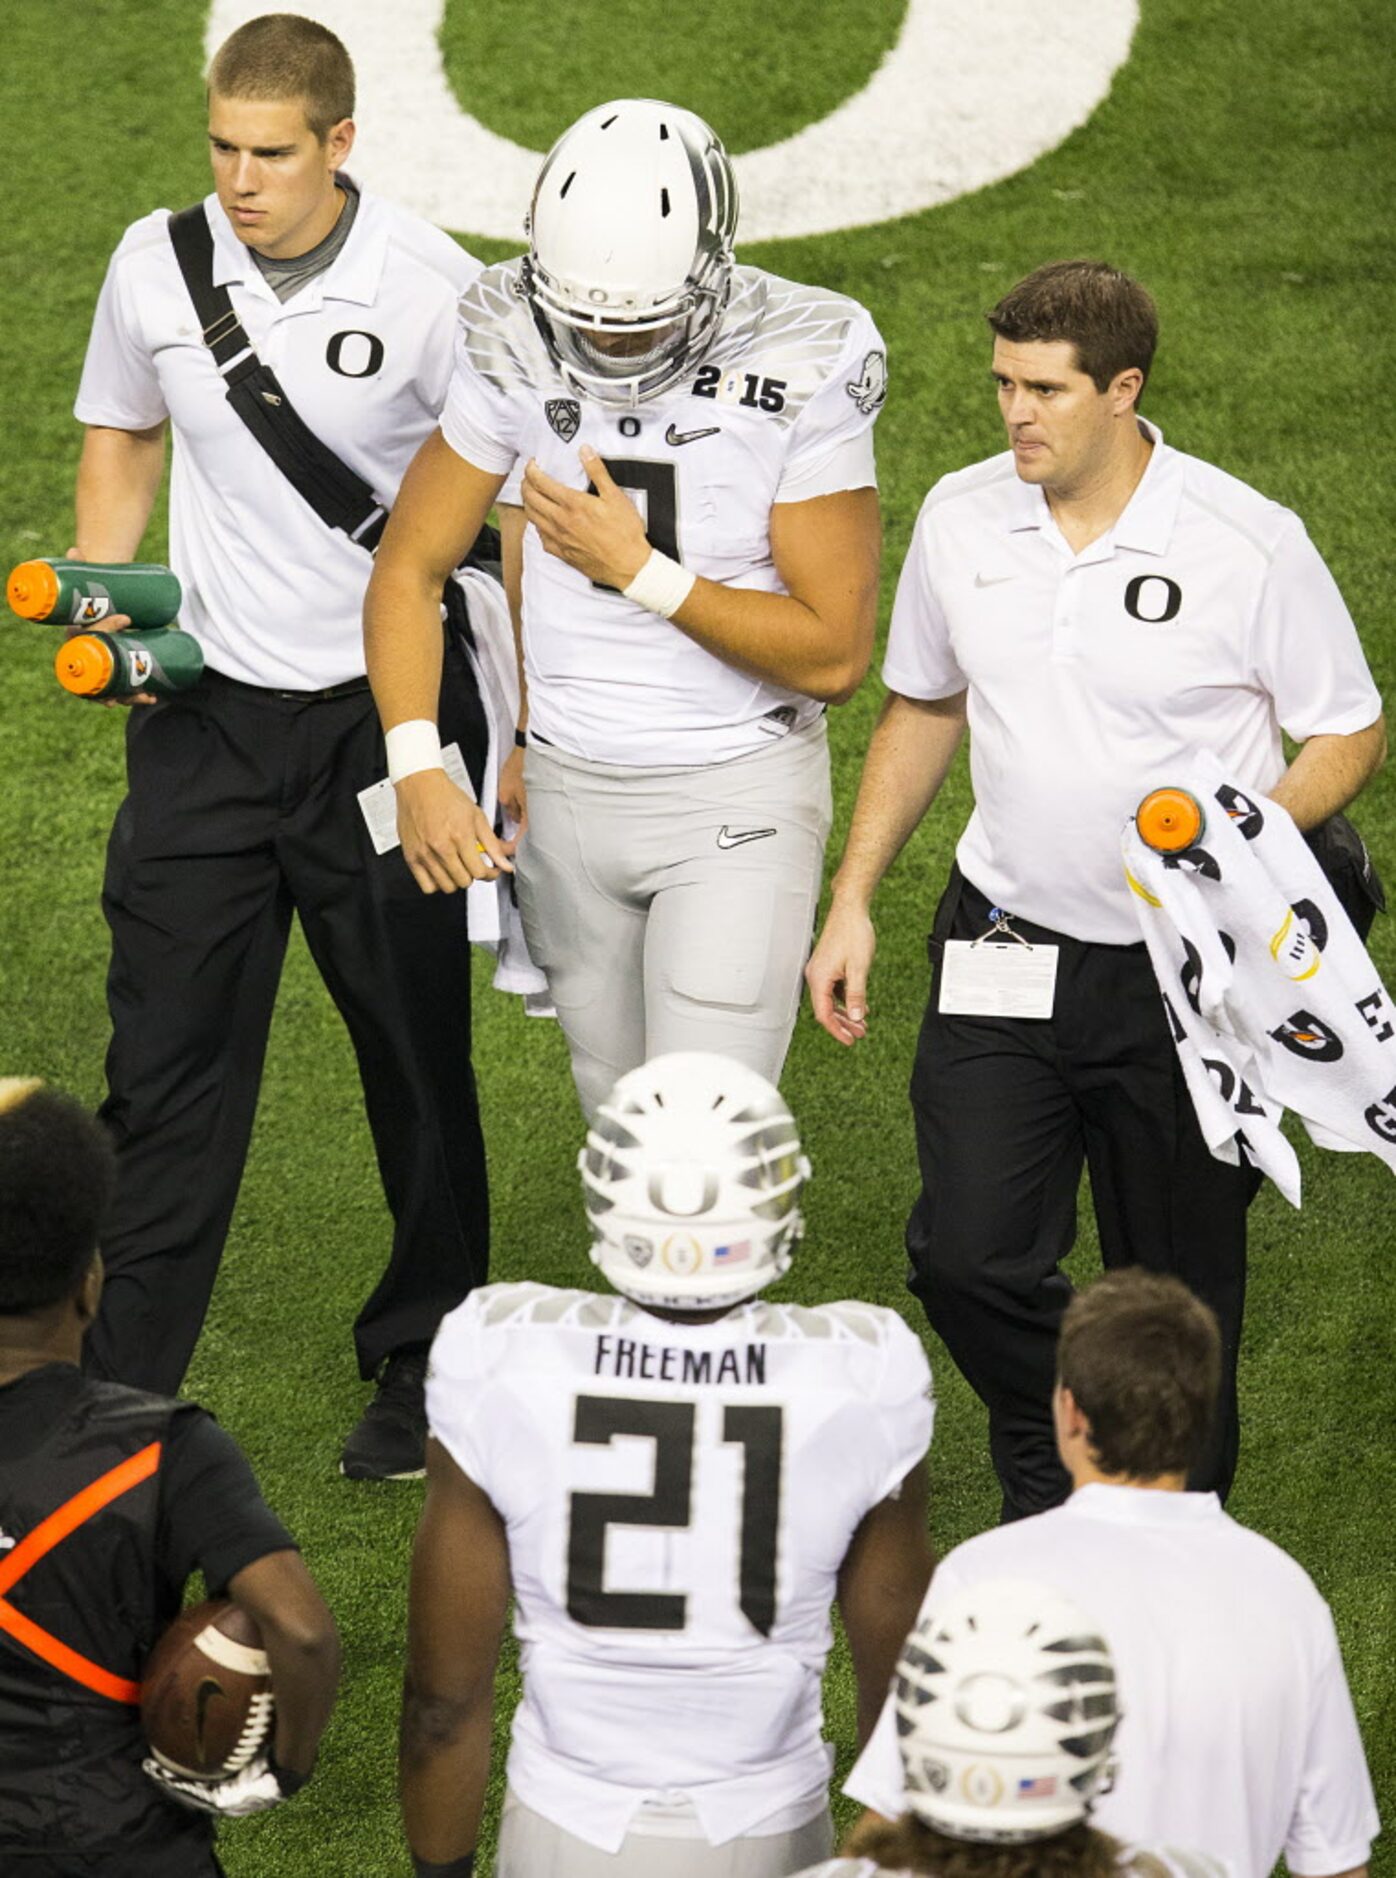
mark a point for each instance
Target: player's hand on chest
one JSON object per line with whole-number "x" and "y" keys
{"x": 702, "y": 474}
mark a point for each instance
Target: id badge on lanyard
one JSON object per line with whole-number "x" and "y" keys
{"x": 988, "y": 977}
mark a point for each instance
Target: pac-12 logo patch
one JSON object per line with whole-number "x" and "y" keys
{"x": 869, "y": 390}
{"x": 565, "y": 416}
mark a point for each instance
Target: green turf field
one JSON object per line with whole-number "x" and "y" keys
{"x": 1243, "y": 167}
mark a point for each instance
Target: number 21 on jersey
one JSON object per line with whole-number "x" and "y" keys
{"x": 757, "y": 1429}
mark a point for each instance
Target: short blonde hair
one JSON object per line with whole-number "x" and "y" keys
{"x": 283, "y": 56}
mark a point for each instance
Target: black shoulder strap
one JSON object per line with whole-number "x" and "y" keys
{"x": 338, "y": 495}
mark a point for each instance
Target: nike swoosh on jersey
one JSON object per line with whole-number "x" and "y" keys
{"x": 730, "y": 838}
{"x": 675, "y": 436}
{"x": 992, "y": 580}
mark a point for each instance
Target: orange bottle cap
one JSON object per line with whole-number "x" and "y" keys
{"x": 84, "y": 665}
{"x": 32, "y": 589}
{"x": 1169, "y": 820}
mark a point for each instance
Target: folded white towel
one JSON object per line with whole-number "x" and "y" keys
{"x": 494, "y": 917}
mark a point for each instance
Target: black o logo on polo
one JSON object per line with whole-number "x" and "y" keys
{"x": 355, "y": 354}
{"x": 1153, "y": 598}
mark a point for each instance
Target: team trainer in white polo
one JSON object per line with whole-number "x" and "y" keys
{"x": 1096, "y": 606}
{"x": 1238, "y": 1735}
{"x": 677, "y": 659}
{"x": 242, "y": 804}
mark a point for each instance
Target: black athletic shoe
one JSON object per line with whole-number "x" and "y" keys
{"x": 390, "y": 1440}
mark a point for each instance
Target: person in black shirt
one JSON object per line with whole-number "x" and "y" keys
{"x": 109, "y": 1499}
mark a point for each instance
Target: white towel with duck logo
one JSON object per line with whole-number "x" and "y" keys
{"x": 1272, "y": 999}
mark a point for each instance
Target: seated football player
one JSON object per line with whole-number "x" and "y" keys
{"x": 691, "y": 443}
{"x": 675, "y": 1479}
{"x": 1006, "y": 1710}
{"x": 109, "y": 1499}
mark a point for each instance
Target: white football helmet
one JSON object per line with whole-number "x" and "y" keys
{"x": 1006, "y": 1709}
{"x": 692, "y": 1173}
{"x": 630, "y": 248}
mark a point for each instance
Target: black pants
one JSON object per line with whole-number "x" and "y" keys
{"x": 1006, "y": 1110}
{"x": 242, "y": 809}
{"x": 149, "y": 1862}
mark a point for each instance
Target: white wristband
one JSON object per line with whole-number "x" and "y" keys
{"x": 412, "y": 746}
{"x": 661, "y": 585}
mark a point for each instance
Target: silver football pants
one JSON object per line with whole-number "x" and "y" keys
{"x": 533, "y": 1847}
{"x": 672, "y": 909}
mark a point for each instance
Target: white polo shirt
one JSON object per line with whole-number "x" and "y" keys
{"x": 364, "y": 353}
{"x": 1238, "y": 1734}
{"x": 1204, "y": 619}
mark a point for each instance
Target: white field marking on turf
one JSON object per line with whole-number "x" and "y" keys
{"x": 969, "y": 94}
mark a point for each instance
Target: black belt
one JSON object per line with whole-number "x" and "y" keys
{"x": 348, "y": 689}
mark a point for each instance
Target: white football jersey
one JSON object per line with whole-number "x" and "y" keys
{"x": 679, "y": 1498}
{"x": 780, "y": 410}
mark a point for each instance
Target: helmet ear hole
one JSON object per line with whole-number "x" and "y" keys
{"x": 630, "y": 248}
{"x": 694, "y": 1196}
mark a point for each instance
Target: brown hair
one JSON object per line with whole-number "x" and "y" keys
{"x": 909, "y": 1845}
{"x": 282, "y": 55}
{"x": 1110, "y": 319}
{"x": 1142, "y": 1357}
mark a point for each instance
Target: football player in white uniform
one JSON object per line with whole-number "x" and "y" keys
{"x": 1006, "y": 1710}
{"x": 692, "y": 443}
{"x": 675, "y": 1482}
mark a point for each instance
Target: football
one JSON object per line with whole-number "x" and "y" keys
{"x": 206, "y": 1700}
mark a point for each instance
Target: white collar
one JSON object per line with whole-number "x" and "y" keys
{"x": 354, "y": 274}
{"x": 1146, "y": 521}
{"x": 1142, "y": 1506}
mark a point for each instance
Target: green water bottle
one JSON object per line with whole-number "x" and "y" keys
{"x": 82, "y": 593}
{"x": 112, "y": 665}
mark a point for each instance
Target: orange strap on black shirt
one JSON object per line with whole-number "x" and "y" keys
{"x": 46, "y": 1535}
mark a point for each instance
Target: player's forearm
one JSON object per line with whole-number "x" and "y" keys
{"x": 511, "y": 534}
{"x": 302, "y": 1646}
{"x": 1329, "y": 772}
{"x": 403, "y": 639}
{"x": 909, "y": 755}
{"x": 781, "y": 639}
{"x": 444, "y": 1765}
{"x": 304, "y": 1672}
{"x": 440, "y": 507}
{"x": 118, "y": 480}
